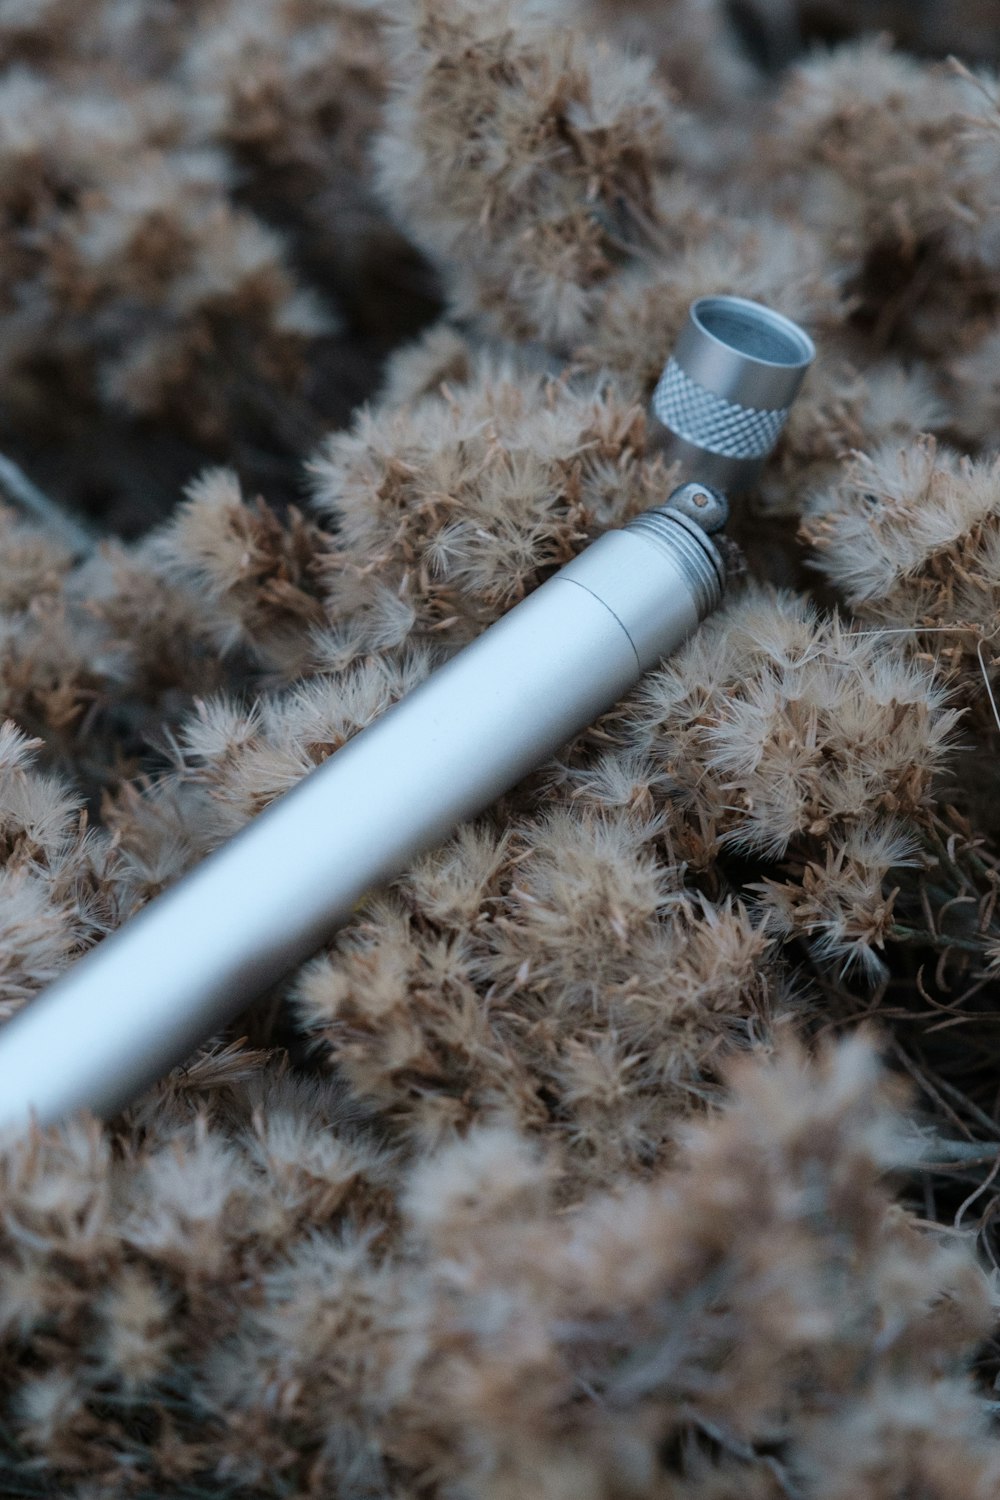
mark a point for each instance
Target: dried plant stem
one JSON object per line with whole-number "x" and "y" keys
{"x": 34, "y": 501}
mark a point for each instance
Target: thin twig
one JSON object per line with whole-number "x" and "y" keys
{"x": 978, "y": 1193}
{"x": 900, "y": 934}
{"x": 942, "y": 1155}
{"x": 26, "y": 494}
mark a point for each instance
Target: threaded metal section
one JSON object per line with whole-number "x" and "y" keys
{"x": 686, "y": 543}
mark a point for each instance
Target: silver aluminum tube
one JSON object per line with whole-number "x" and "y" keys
{"x": 142, "y": 999}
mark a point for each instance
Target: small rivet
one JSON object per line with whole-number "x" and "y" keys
{"x": 701, "y": 503}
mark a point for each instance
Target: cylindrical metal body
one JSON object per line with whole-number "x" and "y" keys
{"x": 726, "y": 390}
{"x": 137, "y": 1004}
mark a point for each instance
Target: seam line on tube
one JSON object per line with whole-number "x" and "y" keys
{"x": 610, "y": 611}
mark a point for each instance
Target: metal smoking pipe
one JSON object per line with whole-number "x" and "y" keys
{"x": 141, "y": 1000}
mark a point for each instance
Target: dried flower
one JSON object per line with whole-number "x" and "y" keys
{"x": 254, "y": 576}
{"x": 448, "y": 510}
{"x": 522, "y": 156}
{"x": 910, "y": 537}
{"x": 792, "y": 737}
